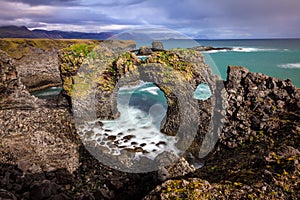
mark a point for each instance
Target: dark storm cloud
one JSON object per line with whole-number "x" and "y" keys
{"x": 211, "y": 19}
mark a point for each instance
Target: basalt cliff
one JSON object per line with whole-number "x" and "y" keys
{"x": 256, "y": 119}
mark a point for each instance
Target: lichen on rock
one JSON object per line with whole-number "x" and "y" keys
{"x": 93, "y": 83}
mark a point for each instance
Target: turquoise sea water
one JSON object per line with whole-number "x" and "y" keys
{"x": 274, "y": 57}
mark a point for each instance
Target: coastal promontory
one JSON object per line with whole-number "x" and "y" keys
{"x": 255, "y": 117}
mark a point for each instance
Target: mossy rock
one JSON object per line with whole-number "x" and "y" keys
{"x": 17, "y": 48}
{"x": 175, "y": 72}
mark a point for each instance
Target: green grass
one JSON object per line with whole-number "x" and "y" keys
{"x": 17, "y": 48}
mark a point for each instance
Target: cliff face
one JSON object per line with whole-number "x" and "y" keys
{"x": 36, "y": 60}
{"x": 9, "y": 80}
{"x": 32, "y": 136}
{"x": 12, "y": 91}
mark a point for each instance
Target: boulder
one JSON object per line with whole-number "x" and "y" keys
{"x": 157, "y": 45}
{"x": 145, "y": 50}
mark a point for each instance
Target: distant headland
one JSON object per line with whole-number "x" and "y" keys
{"x": 24, "y": 32}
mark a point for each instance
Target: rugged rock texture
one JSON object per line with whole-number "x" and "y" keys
{"x": 37, "y": 60}
{"x": 38, "y": 139}
{"x": 93, "y": 66}
{"x": 258, "y": 104}
{"x": 12, "y": 91}
{"x": 92, "y": 84}
{"x": 39, "y": 70}
{"x": 33, "y": 138}
{"x": 257, "y": 156}
{"x": 30, "y": 132}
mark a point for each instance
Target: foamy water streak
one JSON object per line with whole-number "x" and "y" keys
{"x": 243, "y": 49}
{"x": 290, "y": 66}
{"x": 137, "y": 130}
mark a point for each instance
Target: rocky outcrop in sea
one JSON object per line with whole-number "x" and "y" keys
{"x": 256, "y": 156}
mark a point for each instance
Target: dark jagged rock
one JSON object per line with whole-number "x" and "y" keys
{"x": 258, "y": 150}
{"x": 256, "y": 103}
{"x": 39, "y": 70}
{"x": 9, "y": 81}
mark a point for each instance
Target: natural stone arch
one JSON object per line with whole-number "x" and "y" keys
{"x": 106, "y": 71}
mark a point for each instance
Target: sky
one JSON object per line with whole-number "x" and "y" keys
{"x": 206, "y": 19}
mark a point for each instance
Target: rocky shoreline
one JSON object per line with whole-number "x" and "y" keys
{"x": 256, "y": 156}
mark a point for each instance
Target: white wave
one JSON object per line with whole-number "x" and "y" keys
{"x": 217, "y": 51}
{"x": 55, "y": 88}
{"x": 137, "y": 124}
{"x": 290, "y": 66}
{"x": 251, "y": 49}
{"x": 132, "y": 87}
{"x": 152, "y": 90}
{"x": 242, "y": 49}
{"x": 141, "y": 128}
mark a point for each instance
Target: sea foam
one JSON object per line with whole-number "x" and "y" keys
{"x": 243, "y": 49}
{"x": 142, "y": 109}
{"x": 290, "y": 66}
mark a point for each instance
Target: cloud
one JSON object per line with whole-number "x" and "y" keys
{"x": 43, "y": 2}
{"x": 197, "y": 18}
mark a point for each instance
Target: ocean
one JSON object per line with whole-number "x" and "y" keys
{"x": 274, "y": 57}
